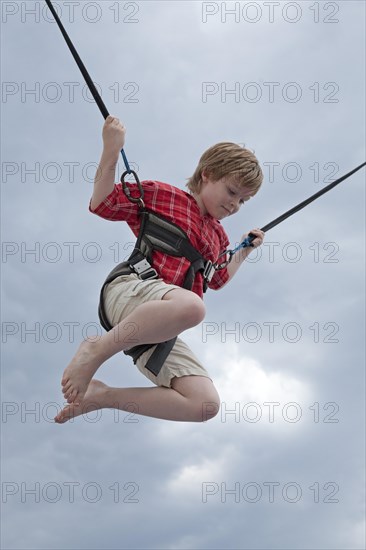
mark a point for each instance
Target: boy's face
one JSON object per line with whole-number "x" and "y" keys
{"x": 223, "y": 197}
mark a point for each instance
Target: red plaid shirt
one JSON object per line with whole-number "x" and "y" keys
{"x": 205, "y": 233}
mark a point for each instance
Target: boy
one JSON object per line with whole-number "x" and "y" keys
{"x": 157, "y": 310}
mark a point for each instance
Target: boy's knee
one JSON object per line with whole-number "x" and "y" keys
{"x": 208, "y": 407}
{"x": 202, "y": 411}
{"x": 194, "y": 310}
{"x": 209, "y": 410}
{"x": 188, "y": 305}
{"x": 203, "y": 401}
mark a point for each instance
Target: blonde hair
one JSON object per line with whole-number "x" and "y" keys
{"x": 228, "y": 159}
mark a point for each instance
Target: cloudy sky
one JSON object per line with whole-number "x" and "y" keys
{"x": 282, "y": 465}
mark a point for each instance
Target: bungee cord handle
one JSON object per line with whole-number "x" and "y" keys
{"x": 250, "y": 238}
{"x": 103, "y": 109}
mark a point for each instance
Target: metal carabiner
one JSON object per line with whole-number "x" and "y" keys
{"x": 224, "y": 264}
{"x": 139, "y": 200}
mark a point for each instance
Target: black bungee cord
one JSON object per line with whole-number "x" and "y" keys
{"x": 103, "y": 109}
{"x": 250, "y": 238}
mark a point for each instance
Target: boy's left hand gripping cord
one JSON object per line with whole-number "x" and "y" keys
{"x": 103, "y": 109}
{"x": 250, "y": 238}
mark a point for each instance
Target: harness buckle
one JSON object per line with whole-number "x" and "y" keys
{"x": 208, "y": 271}
{"x": 144, "y": 270}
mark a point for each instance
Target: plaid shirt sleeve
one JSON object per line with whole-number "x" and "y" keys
{"x": 116, "y": 206}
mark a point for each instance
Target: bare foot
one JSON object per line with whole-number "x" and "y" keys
{"x": 95, "y": 398}
{"x": 80, "y": 371}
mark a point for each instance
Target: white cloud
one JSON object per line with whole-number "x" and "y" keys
{"x": 185, "y": 481}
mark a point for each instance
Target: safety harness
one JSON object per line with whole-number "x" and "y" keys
{"x": 156, "y": 233}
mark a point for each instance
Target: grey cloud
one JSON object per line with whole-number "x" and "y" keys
{"x": 169, "y": 55}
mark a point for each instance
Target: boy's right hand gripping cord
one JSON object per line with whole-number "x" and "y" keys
{"x": 250, "y": 238}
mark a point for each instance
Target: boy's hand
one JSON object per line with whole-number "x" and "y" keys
{"x": 258, "y": 240}
{"x": 241, "y": 255}
{"x": 113, "y": 135}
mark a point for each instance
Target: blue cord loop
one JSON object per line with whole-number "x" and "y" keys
{"x": 248, "y": 241}
{"x": 128, "y": 168}
{"x": 230, "y": 253}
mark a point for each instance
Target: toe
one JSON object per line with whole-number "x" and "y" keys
{"x": 67, "y": 387}
{"x": 67, "y": 394}
{"x": 72, "y": 395}
{"x": 63, "y": 416}
{"x": 58, "y": 418}
{"x": 68, "y": 391}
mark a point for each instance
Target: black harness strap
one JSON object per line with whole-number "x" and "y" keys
{"x": 158, "y": 356}
{"x": 156, "y": 233}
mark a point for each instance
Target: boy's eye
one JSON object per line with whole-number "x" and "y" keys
{"x": 234, "y": 193}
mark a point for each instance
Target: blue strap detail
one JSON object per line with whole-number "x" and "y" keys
{"x": 247, "y": 242}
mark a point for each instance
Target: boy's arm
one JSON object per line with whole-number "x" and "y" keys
{"x": 243, "y": 253}
{"x": 113, "y": 142}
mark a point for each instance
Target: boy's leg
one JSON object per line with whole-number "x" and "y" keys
{"x": 190, "y": 399}
{"x": 151, "y": 322}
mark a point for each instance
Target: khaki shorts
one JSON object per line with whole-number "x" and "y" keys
{"x": 121, "y": 297}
